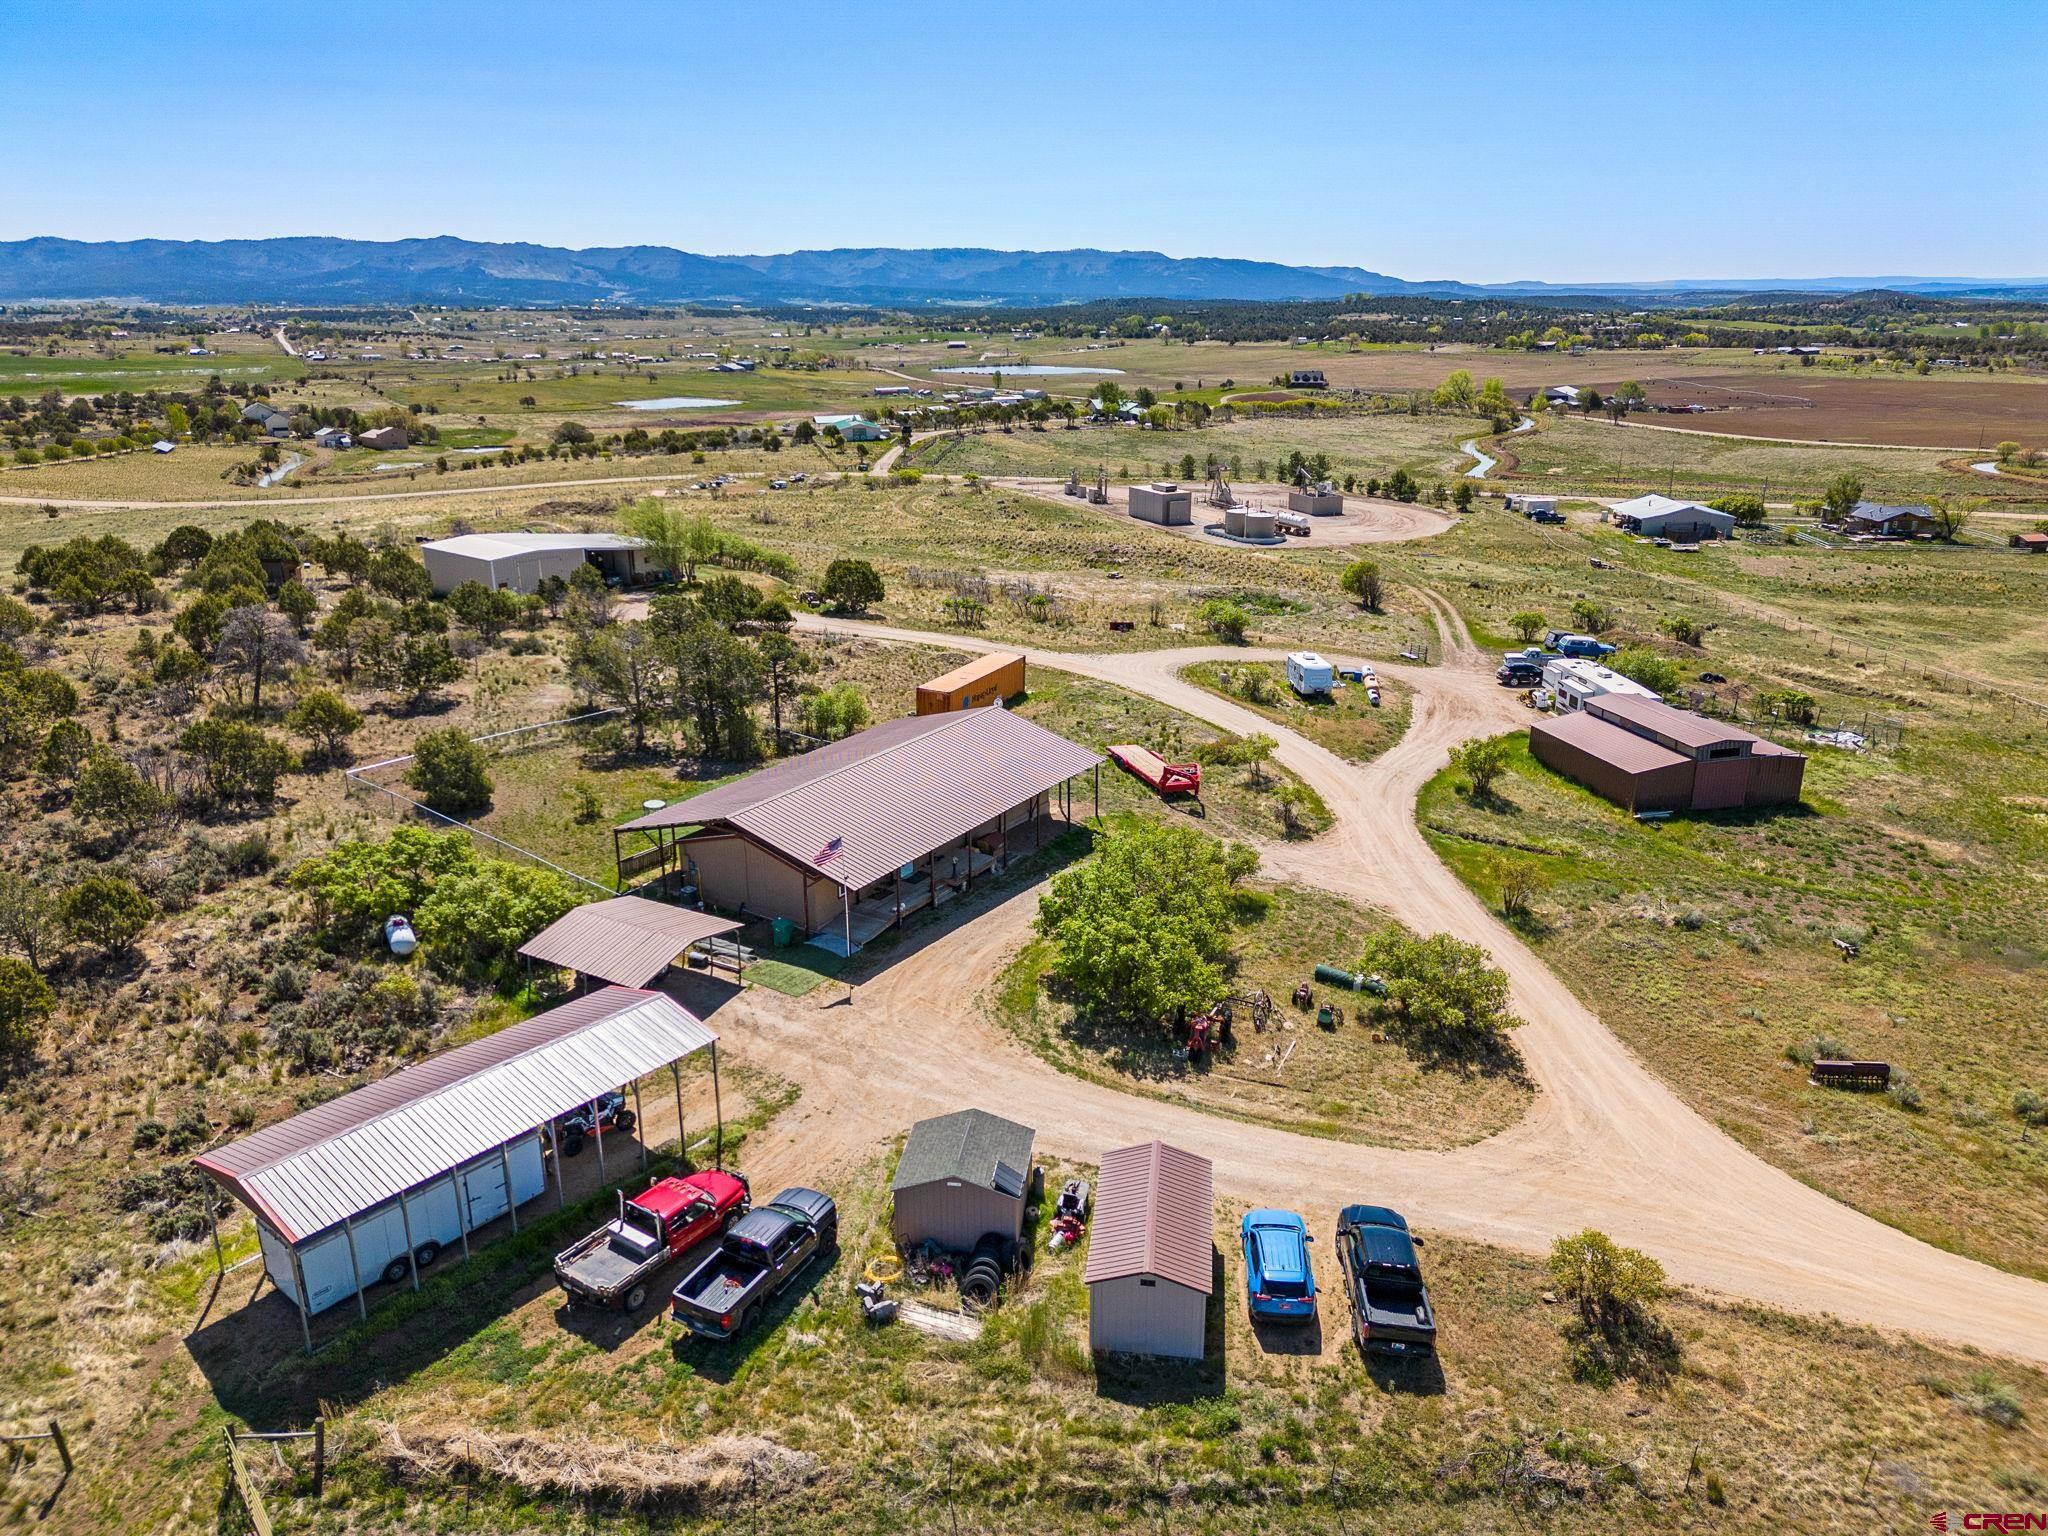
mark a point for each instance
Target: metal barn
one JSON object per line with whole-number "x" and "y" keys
{"x": 379, "y": 1182}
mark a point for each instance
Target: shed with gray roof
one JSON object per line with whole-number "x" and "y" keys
{"x": 961, "y": 1177}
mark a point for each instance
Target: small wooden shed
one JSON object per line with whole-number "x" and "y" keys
{"x": 961, "y": 1177}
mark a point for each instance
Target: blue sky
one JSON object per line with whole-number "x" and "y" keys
{"x": 1576, "y": 141}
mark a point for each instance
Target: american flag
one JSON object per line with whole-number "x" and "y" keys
{"x": 829, "y": 852}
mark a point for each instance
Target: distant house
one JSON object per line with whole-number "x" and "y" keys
{"x": 278, "y": 424}
{"x": 862, "y": 431}
{"x": 1307, "y": 378}
{"x": 258, "y": 411}
{"x": 2032, "y": 543}
{"x": 1663, "y": 517}
{"x": 961, "y": 1176}
{"x": 1876, "y": 519}
{"x": 331, "y": 437}
{"x": 383, "y": 439}
{"x": 1566, "y": 395}
{"x": 163, "y": 445}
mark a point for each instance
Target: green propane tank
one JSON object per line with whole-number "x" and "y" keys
{"x": 1332, "y": 976}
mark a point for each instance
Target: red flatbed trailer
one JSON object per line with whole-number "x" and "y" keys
{"x": 1167, "y": 778}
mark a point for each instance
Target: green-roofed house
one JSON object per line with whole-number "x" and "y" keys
{"x": 961, "y": 1177}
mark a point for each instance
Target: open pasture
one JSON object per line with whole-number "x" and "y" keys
{"x": 1965, "y": 413}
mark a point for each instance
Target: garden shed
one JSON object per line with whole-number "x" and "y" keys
{"x": 962, "y": 1176}
{"x": 1151, "y": 1253}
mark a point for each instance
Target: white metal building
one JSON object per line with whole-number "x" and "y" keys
{"x": 519, "y": 561}
{"x": 1665, "y": 517}
{"x": 378, "y": 1182}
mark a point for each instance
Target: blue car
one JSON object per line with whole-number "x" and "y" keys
{"x": 1279, "y": 1284}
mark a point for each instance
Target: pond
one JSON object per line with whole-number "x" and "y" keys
{"x": 673, "y": 403}
{"x": 1025, "y": 370}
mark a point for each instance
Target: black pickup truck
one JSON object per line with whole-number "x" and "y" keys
{"x": 1389, "y": 1303}
{"x": 760, "y": 1254}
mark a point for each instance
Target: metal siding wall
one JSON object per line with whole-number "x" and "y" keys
{"x": 449, "y": 570}
{"x": 1663, "y": 789}
{"x": 954, "y": 1217}
{"x": 1128, "y": 1317}
{"x": 1718, "y": 784}
{"x": 1775, "y": 780}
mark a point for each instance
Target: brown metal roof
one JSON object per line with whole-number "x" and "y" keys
{"x": 1155, "y": 1214}
{"x": 1610, "y": 743}
{"x": 1679, "y": 725}
{"x": 349, "y": 1155}
{"x": 856, "y": 809}
{"x": 627, "y": 940}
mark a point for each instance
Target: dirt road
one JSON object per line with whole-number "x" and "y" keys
{"x": 1606, "y": 1144}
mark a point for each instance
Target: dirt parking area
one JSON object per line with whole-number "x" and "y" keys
{"x": 1935, "y": 412}
{"x": 1364, "y": 520}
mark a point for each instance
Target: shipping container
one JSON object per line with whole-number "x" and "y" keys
{"x": 984, "y": 680}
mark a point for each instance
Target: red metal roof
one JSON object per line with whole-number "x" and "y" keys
{"x": 1610, "y": 743}
{"x": 628, "y": 940}
{"x": 857, "y": 809}
{"x": 1155, "y": 1214}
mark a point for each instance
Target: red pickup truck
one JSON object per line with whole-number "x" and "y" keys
{"x": 613, "y": 1266}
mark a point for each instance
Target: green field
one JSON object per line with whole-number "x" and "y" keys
{"x": 469, "y": 388}
{"x": 1593, "y": 456}
{"x": 1368, "y": 446}
{"x": 1707, "y": 943}
{"x": 139, "y": 371}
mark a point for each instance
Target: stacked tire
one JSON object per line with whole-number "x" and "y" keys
{"x": 981, "y": 1281}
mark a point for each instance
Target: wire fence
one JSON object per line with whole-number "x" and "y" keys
{"x": 359, "y": 785}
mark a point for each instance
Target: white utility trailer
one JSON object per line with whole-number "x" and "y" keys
{"x": 437, "y": 1214}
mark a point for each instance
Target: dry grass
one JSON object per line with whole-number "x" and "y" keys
{"x": 626, "y": 1474}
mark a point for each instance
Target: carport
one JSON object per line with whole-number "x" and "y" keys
{"x": 432, "y": 1144}
{"x": 628, "y": 941}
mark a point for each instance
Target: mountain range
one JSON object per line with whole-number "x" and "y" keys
{"x": 446, "y": 270}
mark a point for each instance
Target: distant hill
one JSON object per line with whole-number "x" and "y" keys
{"x": 323, "y": 270}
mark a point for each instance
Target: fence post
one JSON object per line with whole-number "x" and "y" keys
{"x": 319, "y": 1456}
